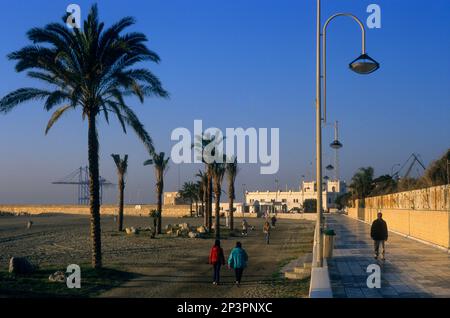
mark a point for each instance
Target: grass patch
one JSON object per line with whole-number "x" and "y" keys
{"x": 37, "y": 285}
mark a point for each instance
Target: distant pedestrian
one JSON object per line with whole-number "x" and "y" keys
{"x": 244, "y": 227}
{"x": 238, "y": 261}
{"x": 274, "y": 220}
{"x": 216, "y": 259}
{"x": 266, "y": 230}
{"x": 379, "y": 234}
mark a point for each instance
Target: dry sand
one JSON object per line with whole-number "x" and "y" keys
{"x": 167, "y": 267}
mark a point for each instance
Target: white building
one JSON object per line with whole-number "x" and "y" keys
{"x": 284, "y": 201}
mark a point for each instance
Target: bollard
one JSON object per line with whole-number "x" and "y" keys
{"x": 328, "y": 243}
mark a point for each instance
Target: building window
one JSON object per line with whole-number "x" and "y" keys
{"x": 284, "y": 200}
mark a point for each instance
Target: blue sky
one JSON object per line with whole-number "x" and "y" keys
{"x": 243, "y": 64}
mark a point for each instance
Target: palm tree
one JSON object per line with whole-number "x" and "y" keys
{"x": 122, "y": 166}
{"x": 218, "y": 172}
{"x": 88, "y": 68}
{"x": 189, "y": 192}
{"x": 196, "y": 197}
{"x": 202, "y": 192}
{"x": 231, "y": 171}
{"x": 161, "y": 165}
{"x": 203, "y": 142}
{"x": 362, "y": 183}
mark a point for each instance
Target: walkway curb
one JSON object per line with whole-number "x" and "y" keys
{"x": 320, "y": 285}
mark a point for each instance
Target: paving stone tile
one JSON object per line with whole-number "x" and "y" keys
{"x": 411, "y": 269}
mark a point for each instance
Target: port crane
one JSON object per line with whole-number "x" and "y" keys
{"x": 80, "y": 178}
{"x": 414, "y": 158}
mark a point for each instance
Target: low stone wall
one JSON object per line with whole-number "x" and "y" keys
{"x": 133, "y": 210}
{"x": 284, "y": 216}
{"x": 433, "y": 199}
{"x": 427, "y": 225}
{"x": 140, "y": 210}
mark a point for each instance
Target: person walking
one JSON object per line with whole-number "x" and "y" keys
{"x": 238, "y": 261}
{"x": 379, "y": 234}
{"x": 274, "y": 220}
{"x": 244, "y": 227}
{"x": 216, "y": 259}
{"x": 266, "y": 230}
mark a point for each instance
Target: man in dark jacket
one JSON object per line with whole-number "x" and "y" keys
{"x": 379, "y": 234}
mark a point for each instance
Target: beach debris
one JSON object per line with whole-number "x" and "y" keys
{"x": 184, "y": 226}
{"x": 131, "y": 230}
{"x": 201, "y": 229}
{"x": 185, "y": 230}
{"x": 57, "y": 277}
{"x": 193, "y": 235}
{"x": 20, "y": 265}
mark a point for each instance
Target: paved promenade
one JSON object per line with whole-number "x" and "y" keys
{"x": 411, "y": 269}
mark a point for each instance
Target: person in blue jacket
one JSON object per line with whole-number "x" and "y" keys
{"x": 238, "y": 261}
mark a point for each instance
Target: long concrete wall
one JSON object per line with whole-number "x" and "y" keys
{"x": 142, "y": 210}
{"x": 433, "y": 199}
{"x": 426, "y": 225}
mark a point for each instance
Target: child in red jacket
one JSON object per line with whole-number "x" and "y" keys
{"x": 216, "y": 259}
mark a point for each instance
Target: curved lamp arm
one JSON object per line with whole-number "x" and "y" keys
{"x": 324, "y": 53}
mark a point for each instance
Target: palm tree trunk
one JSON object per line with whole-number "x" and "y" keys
{"x": 121, "y": 202}
{"x": 159, "y": 193}
{"x": 196, "y": 208}
{"x": 217, "y": 191}
{"x": 231, "y": 208}
{"x": 231, "y": 201}
{"x": 205, "y": 206}
{"x": 190, "y": 207}
{"x": 202, "y": 206}
{"x": 210, "y": 201}
{"x": 94, "y": 190}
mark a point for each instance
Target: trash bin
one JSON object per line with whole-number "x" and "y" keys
{"x": 328, "y": 243}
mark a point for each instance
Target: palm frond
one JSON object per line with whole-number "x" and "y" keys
{"x": 19, "y": 96}
{"x": 56, "y": 115}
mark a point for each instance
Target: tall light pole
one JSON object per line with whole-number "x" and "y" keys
{"x": 245, "y": 199}
{"x": 276, "y": 196}
{"x": 318, "y": 233}
{"x": 364, "y": 64}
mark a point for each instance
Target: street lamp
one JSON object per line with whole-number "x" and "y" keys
{"x": 245, "y": 199}
{"x": 364, "y": 64}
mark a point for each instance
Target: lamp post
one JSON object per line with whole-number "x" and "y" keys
{"x": 244, "y": 200}
{"x": 364, "y": 64}
{"x": 276, "y": 196}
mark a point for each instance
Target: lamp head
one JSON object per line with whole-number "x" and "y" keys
{"x": 336, "y": 144}
{"x": 364, "y": 64}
